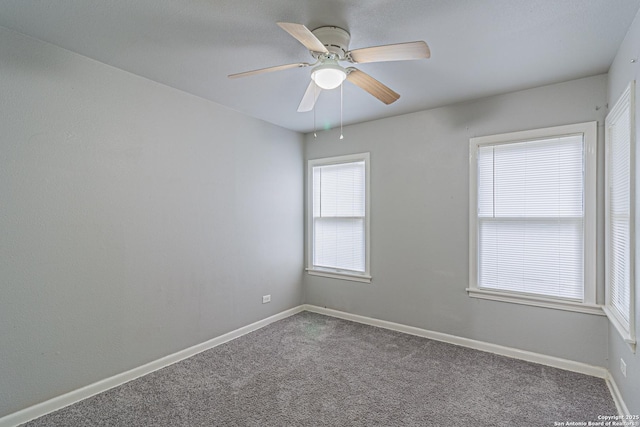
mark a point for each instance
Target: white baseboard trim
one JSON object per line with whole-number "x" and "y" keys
{"x": 555, "y": 362}
{"x": 74, "y": 396}
{"x": 529, "y": 356}
{"x": 617, "y": 396}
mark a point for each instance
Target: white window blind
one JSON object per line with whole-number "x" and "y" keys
{"x": 339, "y": 216}
{"x": 619, "y": 196}
{"x": 530, "y": 208}
{"x": 619, "y": 216}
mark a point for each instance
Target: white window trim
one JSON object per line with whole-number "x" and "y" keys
{"x": 590, "y": 132}
{"x": 328, "y": 272}
{"x": 626, "y": 100}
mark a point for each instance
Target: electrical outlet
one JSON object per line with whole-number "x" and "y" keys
{"x": 266, "y": 299}
{"x": 623, "y": 367}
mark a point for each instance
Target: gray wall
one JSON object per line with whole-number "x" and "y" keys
{"x": 622, "y": 71}
{"x": 135, "y": 221}
{"x": 419, "y": 222}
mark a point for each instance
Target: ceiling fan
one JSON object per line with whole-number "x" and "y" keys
{"x": 330, "y": 46}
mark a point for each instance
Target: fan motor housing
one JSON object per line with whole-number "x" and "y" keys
{"x": 335, "y": 39}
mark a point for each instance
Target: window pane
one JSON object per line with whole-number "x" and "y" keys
{"x": 339, "y": 243}
{"x": 530, "y": 217}
{"x": 619, "y": 266}
{"x": 339, "y": 190}
{"x": 535, "y": 178}
{"x": 536, "y": 256}
{"x": 619, "y": 181}
{"x": 485, "y": 181}
{"x": 338, "y": 215}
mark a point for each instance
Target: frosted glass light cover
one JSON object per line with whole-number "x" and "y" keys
{"x": 328, "y": 75}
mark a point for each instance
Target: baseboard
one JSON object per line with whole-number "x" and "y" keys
{"x": 555, "y": 362}
{"x": 529, "y": 356}
{"x": 74, "y": 396}
{"x": 617, "y": 396}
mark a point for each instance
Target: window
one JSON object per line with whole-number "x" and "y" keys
{"x": 338, "y": 222}
{"x": 532, "y": 217}
{"x": 620, "y": 211}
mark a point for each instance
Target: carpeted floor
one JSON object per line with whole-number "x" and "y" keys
{"x": 314, "y": 370}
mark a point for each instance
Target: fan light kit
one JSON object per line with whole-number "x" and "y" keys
{"x": 329, "y": 46}
{"x": 329, "y": 74}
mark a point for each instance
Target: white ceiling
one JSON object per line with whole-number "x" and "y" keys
{"x": 478, "y": 47}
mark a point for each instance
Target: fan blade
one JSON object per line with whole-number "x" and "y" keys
{"x": 391, "y": 52}
{"x": 304, "y": 36}
{"x": 268, "y": 69}
{"x": 371, "y": 85}
{"x": 310, "y": 97}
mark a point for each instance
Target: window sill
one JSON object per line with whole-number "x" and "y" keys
{"x": 624, "y": 333}
{"x": 342, "y": 276}
{"x": 536, "y": 301}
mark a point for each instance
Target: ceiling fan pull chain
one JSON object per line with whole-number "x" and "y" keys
{"x": 315, "y": 96}
{"x": 341, "y": 136}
